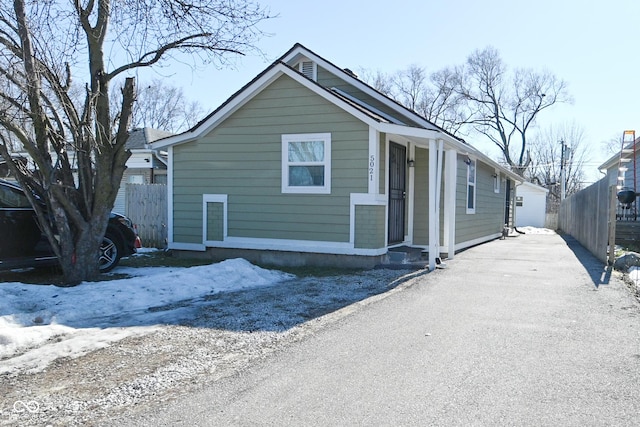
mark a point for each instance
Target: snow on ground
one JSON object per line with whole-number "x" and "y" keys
{"x": 535, "y": 230}
{"x": 634, "y": 275}
{"x": 40, "y": 323}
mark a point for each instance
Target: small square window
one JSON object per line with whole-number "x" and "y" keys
{"x": 306, "y": 163}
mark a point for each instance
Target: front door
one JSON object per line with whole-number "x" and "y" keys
{"x": 397, "y": 192}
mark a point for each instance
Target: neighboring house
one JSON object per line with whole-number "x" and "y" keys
{"x": 5, "y": 172}
{"x": 621, "y": 167}
{"x": 306, "y": 164}
{"x": 145, "y": 166}
{"x": 531, "y": 205}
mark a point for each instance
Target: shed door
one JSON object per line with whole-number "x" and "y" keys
{"x": 397, "y": 192}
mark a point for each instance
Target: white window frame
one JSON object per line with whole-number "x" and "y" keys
{"x": 326, "y": 163}
{"x": 472, "y": 183}
{"x": 496, "y": 182}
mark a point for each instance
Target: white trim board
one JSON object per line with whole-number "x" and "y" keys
{"x": 307, "y": 246}
{"x": 474, "y": 242}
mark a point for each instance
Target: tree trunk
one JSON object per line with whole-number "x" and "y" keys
{"x": 79, "y": 262}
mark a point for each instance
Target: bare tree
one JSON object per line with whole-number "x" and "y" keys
{"x": 547, "y": 157}
{"x": 160, "y": 105}
{"x": 613, "y": 145}
{"x": 378, "y": 80}
{"x": 442, "y": 104}
{"x": 433, "y": 96}
{"x": 505, "y": 107}
{"x": 409, "y": 86}
{"x": 77, "y": 152}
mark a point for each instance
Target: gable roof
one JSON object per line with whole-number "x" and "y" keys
{"x": 352, "y": 106}
{"x": 299, "y": 51}
{"x": 357, "y": 108}
{"x": 532, "y": 186}
{"x": 140, "y": 138}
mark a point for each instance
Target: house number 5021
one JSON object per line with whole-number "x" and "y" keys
{"x": 372, "y": 165}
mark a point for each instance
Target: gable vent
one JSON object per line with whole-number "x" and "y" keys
{"x": 308, "y": 68}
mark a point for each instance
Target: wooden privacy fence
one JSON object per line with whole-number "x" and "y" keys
{"x": 146, "y": 205}
{"x": 589, "y": 216}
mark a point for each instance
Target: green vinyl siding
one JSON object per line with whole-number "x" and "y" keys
{"x": 369, "y": 227}
{"x": 421, "y": 198}
{"x": 329, "y": 80}
{"x": 242, "y": 159}
{"x": 489, "y": 214}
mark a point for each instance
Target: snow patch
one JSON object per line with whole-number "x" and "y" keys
{"x": 40, "y": 323}
{"x": 535, "y": 230}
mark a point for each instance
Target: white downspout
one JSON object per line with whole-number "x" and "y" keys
{"x": 433, "y": 212}
{"x": 439, "y": 193}
{"x": 411, "y": 150}
{"x": 450, "y": 186}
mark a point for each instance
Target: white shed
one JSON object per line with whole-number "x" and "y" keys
{"x": 531, "y": 205}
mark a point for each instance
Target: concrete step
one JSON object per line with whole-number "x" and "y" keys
{"x": 405, "y": 257}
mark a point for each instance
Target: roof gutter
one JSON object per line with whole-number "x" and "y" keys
{"x": 449, "y": 141}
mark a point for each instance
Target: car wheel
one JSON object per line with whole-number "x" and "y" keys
{"x": 110, "y": 253}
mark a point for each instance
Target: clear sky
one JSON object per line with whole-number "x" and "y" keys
{"x": 592, "y": 45}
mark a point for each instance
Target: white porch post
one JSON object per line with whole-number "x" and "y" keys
{"x": 439, "y": 190}
{"x": 433, "y": 210}
{"x": 411, "y": 150}
{"x": 450, "y": 184}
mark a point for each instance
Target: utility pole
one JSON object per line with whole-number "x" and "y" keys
{"x": 563, "y": 185}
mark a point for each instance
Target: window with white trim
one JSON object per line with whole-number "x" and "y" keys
{"x": 496, "y": 182}
{"x": 471, "y": 186}
{"x": 306, "y": 163}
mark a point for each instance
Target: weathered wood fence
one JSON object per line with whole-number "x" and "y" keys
{"x": 589, "y": 216}
{"x": 146, "y": 205}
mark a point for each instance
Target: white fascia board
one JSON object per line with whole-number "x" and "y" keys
{"x": 611, "y": 162}
{"x": 449, "y": 143}
{"x": 307, "y": 246}
{"x": 187, "y": 246}
{"x": 488, "y": 160}
{"x": 474, "y": 242}
{"x": 426, "y": 134}
{"x": 407, "y": 131}
{"x": 534, "y": 187}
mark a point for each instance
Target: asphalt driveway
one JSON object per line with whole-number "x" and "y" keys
{"x": 524, "y": 331}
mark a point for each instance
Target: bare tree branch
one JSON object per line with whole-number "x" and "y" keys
{"x": 77, "y": 148}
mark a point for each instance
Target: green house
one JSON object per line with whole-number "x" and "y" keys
{"x": 307, "y": 164}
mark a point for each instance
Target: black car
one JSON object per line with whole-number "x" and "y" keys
{"x": 22, "y": 244}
